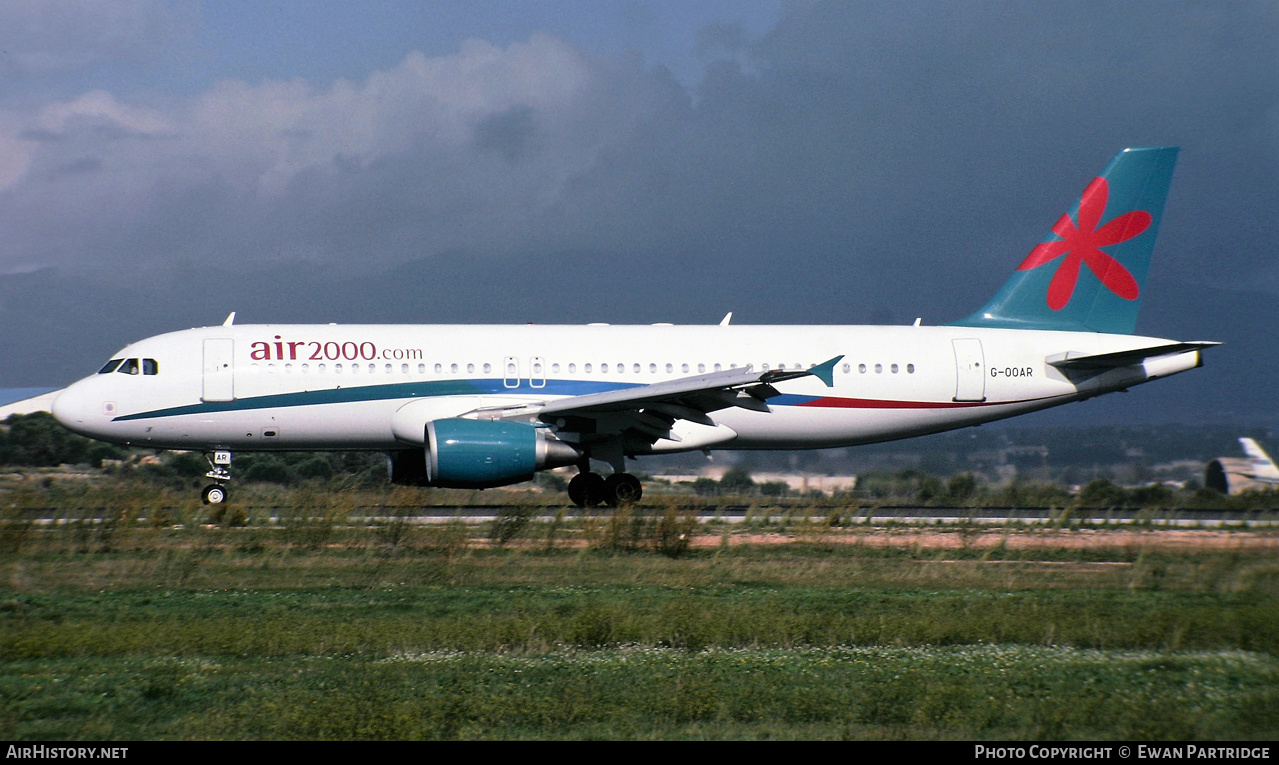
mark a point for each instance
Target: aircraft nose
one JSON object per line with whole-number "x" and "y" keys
{"x": 74, "y": 410}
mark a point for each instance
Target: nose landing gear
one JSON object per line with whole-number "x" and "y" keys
{"x": 219, "y": 471}
{"x": 213, "y": 494}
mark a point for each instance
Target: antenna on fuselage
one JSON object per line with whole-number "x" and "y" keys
{"x": 230, "y": 319}
{"x": 727, "y": 318}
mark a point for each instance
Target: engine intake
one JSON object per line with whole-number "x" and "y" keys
{"x": 480, "y": 454}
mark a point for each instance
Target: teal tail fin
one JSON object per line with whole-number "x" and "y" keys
{"x": 1089, "y": 274}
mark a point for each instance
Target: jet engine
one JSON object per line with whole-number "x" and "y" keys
{"x": 480, "y": 454}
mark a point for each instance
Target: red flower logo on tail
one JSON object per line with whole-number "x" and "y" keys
{"x": 1082, "y": 244}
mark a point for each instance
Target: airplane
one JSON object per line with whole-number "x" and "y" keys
{"x": 1235, "y": 475}
{"x": 474, "y": 406}
{"x": 1261, "y": 468}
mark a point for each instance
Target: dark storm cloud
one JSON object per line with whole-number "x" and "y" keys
{"x": 861, "y": 161}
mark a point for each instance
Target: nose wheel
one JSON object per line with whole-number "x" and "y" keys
{"x": 220, "y": 472}
{"x": 213, "y": 494}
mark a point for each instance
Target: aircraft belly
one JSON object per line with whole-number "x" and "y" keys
{"x": 798, "y": 427}
{"x": 356, "y": 426}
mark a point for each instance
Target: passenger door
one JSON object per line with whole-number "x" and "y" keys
{"x": 219, "y": 370}
{"x": 970, "y": 370}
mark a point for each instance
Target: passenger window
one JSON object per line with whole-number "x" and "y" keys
{"x": 110, "y": 367}
{"x": 128, "y": 367}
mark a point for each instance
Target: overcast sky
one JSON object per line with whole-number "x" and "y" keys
{"x": 164, "y": 163}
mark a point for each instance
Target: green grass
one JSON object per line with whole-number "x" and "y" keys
{"x": 583, "y": 628}
{"x": 972, "y": 692}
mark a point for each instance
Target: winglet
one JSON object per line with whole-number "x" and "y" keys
{"x": 825, "y": 371}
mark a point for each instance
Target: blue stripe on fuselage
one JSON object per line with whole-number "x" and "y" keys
{"x": 385, "y": 393}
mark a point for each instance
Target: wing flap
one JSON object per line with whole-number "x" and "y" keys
{"x": 704, "y": 393}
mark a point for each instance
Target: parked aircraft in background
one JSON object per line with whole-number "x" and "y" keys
{"x": 485, "y": 406}
{"x": 1261, "y": 468}
{"x": 1233, "y": 475}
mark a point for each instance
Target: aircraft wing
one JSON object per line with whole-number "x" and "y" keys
{"x": 651, "y": 410}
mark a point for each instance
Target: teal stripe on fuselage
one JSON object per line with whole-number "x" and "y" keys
{"x": 384, "y": 393}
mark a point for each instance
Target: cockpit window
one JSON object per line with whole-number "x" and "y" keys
{"x": 132, "y": 366}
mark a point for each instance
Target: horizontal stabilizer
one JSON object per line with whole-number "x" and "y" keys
{"x": 1101, "y": 361}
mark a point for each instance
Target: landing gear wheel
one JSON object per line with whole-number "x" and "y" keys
{"x": 586, "y": 489}
{"x": 622, "y": 489}
{"x": 213, "y": 494}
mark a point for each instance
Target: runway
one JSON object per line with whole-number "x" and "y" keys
{"x": 738, "y": 514}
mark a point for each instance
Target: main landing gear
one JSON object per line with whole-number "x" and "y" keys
{"x": 219, "y": 471}
{"x": 588, "y": 489}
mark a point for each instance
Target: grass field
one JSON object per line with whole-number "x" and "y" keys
{"x": 312, "y": 627}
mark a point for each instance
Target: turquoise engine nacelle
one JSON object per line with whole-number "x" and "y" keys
{"x": 481, "y": 454}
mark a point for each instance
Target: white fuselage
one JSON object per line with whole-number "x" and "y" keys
{"x": 308, "y": 387}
